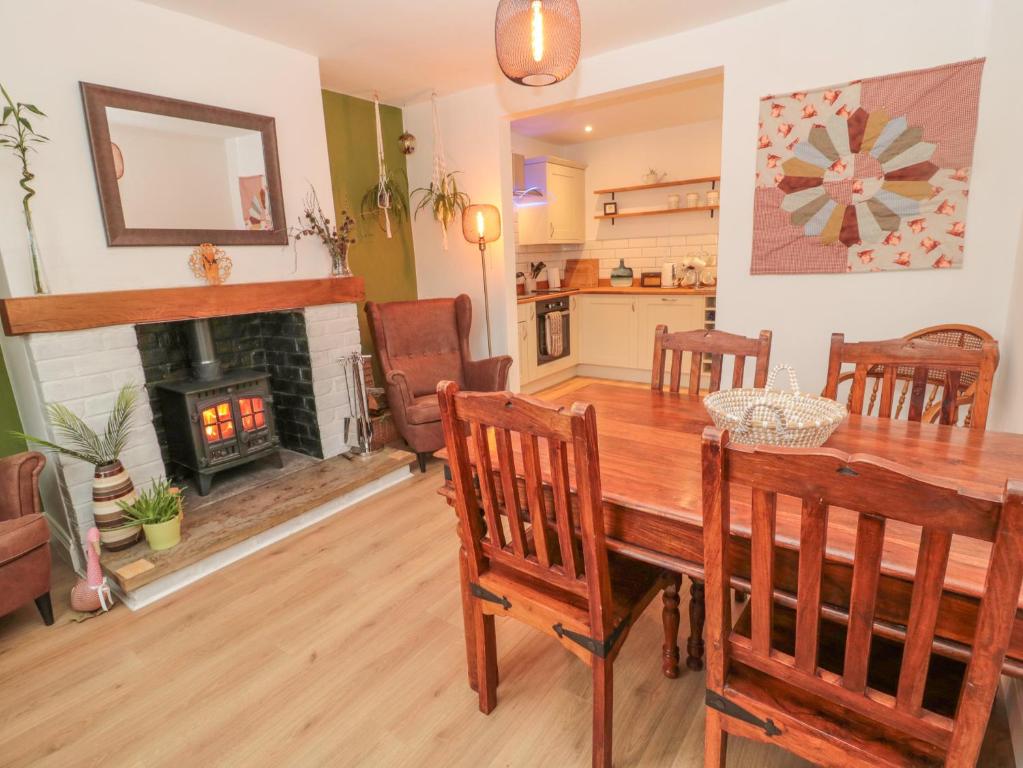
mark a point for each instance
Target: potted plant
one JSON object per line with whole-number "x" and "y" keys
{"x": 444, "y": 199}
{"x": 111, "y": 482}
{"x": 19, "y": 138}
{"x": 386, "y": 199}
{"x": 158, "y": 510}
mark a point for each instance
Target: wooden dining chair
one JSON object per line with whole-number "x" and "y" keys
{"x": 939, "y": 380}
{"x": 710, "y": 346}
{"x": 814, "y": 680}
{"x": 537, "y": 552}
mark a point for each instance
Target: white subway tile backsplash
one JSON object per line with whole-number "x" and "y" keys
{"x": 641, "y": 254}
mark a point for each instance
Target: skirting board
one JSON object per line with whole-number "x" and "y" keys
{"x": 161, "y": 588}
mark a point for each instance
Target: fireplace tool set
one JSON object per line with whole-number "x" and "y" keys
{"x": 354, "y": 366}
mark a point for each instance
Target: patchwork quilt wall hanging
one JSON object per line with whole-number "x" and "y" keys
{"x": 866, "y": 176}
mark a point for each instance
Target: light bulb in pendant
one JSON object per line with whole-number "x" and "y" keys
{"x": 537, "y": 31}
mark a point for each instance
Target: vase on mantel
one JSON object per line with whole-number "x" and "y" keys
{"x": 111, "y": 484}
{"x": 621, "y": 276}
{"x": 39, "y": 282}
{"x": 339, "y": 262}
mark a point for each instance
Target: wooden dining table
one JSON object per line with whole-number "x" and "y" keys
{"x": 650, "y": 442}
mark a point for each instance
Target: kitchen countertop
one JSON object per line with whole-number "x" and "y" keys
{"x": 607, "y": 289}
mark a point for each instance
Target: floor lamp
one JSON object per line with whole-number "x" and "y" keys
{"x": 481, "y": 224}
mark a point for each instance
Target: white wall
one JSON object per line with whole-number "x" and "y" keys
{"x": 797, "y": 53}
{"x": 478, "y": 144}
{"x": 140, "y": 47}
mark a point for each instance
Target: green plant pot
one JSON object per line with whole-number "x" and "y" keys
{"x": 163, "y": 535}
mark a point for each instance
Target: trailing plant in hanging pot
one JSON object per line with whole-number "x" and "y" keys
{"x": 17, "y": 133}
{"x": 314, "y": 223}
{"x": 111, "y": 482}
{"x": 386, "y": 195}
{"x": 444, "y": 199}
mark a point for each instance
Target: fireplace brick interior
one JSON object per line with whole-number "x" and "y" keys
{"x": 273, "y": 342}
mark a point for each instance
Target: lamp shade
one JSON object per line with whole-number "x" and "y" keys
{"x": 537, "y": 41}
{"x": 481, "y": 221}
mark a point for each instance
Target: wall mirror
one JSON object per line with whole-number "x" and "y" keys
{"x": 173, "y": 172}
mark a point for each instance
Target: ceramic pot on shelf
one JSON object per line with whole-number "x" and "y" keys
{"x": 621, "y": 276}
{"x": 111, "y": 483}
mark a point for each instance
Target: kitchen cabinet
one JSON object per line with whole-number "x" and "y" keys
{"x": 608, "y": 330}
{"x": 560, "y": 215}
{"x": 679, "y": 313}
{"x": 527, "y": 343}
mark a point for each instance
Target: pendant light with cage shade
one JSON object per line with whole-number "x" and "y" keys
{"x": 537, "y": 41}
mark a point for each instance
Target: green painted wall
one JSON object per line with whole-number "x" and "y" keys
{"x": 9, "y": 418}
{"x": 387, "y": 265}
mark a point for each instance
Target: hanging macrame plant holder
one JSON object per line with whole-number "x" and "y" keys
{"x": 440, "y": 168}
{"x": 383, "y": 189}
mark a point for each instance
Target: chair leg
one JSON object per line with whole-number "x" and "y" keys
{"x": 45, "y": 608}
{"x": 603, "y": 712}
{"x": 422, "y": 460}
{"x": 697, "y": 612}
{"x": 670, "y": 619}
{"x": 486, "y": 658}
{"x": 715, "y": 743}
{"x": 467, "y": 619}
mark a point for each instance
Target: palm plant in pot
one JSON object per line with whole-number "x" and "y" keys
{"x": 158, "y": 510}
{"x": 111, "y": 482}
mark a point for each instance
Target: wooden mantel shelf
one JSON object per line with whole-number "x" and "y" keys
{"x": 78, "y": 311}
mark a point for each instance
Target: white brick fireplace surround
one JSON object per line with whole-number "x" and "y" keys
{"x": 84, "y": 369}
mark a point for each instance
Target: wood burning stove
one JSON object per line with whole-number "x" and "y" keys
{"x": 216, "y": 421}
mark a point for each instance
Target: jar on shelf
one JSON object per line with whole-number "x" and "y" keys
{"x": 621, "y": 276}
{"x": 712, "y": 197}
{"x": 692, "y": 200}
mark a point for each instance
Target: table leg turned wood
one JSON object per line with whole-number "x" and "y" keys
{"x": 670, "y": 618}
{"x": 694, "y": 648}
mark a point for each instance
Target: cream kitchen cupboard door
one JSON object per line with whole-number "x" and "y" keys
{"x": 679, "y": 313}
{"x": 608, "y": 330}
{"x": 559, "y": 216}
{"x": 527, "y": 343}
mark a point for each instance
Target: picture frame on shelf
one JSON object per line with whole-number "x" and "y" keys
{"x": 611, "y": 208}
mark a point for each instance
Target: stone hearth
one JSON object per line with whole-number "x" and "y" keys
{"x": 83, "y": 369}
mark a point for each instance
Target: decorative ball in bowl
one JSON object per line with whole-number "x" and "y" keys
{"x": 771, "y": 416}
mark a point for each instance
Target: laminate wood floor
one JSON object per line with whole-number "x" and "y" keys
{"x": 340, "y": 646}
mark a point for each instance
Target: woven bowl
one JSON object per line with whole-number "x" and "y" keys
{"x": 774, "y": 417}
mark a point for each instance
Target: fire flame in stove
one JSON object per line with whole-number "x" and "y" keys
{"x": 218, "y": 422}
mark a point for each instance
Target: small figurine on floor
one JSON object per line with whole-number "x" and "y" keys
{"x": 92, "y": 593}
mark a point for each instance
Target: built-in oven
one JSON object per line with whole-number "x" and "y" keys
{"x": 553, "y": 329}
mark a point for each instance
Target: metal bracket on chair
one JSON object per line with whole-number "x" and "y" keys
{"x": 596, "y": 647}
{"x": 730, "y": 708}
{"x": 486, "y": 594}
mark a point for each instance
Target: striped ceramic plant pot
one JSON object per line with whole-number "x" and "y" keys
{"x": 112, "y": 484}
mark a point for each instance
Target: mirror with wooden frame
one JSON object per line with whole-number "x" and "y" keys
{"x": 174, "y": 172}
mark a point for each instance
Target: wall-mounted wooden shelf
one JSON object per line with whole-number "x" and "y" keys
{"x": 659, "y": 185}
{"x": 660, "y": 211}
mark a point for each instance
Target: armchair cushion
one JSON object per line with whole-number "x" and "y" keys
{"x": 422, "y": 342}
{"x": 20, "y": 536}
{"x": 424, "y": 409}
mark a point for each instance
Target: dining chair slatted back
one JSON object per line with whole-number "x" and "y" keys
{"x": 567, "y": 554}
{"x": 925, "y": 369}
{"x": 709, "y": 347}
{"x": 878, "y": 492}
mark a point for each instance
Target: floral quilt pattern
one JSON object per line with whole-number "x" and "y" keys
{"x": 866, "y": 176}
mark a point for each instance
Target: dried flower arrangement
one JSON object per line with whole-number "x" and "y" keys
{"x": 313, "y": 222}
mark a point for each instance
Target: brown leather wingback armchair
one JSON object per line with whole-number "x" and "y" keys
{"x": 24, "y": 536}
{"x": 420, "y": 344}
